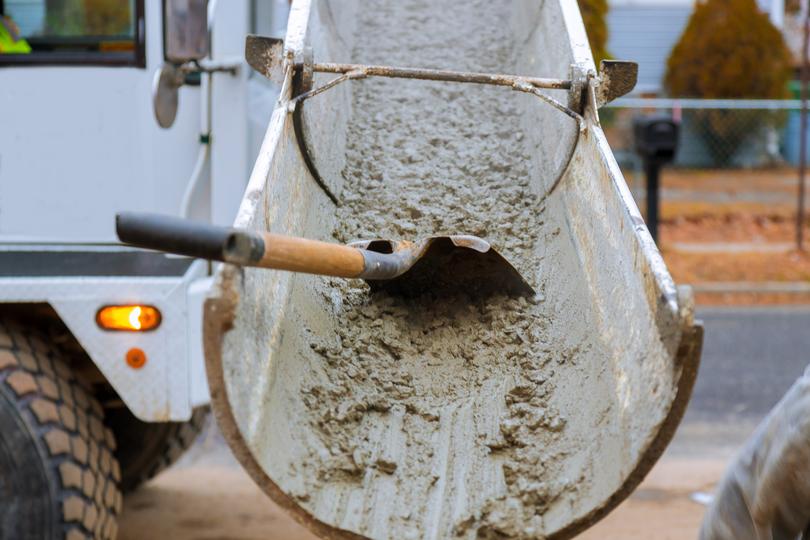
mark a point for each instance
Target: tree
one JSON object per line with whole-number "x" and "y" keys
{"x": 594, "y": 14}
{"x": 729, "y": 50}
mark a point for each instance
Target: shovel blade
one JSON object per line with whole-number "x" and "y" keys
{"x": 450, "y": 265}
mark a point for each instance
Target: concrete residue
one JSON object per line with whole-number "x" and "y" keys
{"x": 426, "y": 159}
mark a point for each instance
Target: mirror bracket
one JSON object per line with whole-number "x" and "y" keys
{"x": 229, "y": 67}
{"x": 170, "y": 77}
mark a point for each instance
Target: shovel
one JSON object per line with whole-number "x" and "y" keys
{"x": 439, "y": 264}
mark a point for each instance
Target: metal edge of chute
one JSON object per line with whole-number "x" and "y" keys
{"x": 220, "y": 315}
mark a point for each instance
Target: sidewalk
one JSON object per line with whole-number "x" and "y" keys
{"x": 662, "y": 508}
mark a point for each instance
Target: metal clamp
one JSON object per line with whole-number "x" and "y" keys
{"x": 230, "y": 67}
{"x": 266, "y": 55}
{"x": 348, "y": 72}
{"x": 170, "y": 77}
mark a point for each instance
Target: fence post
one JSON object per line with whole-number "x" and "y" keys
{"x": 803, "y": 132}
{"x": 656, "y": 142}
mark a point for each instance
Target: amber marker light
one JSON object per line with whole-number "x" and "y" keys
{"x": 133, "y": 318}
{"x": 136, "y": 358}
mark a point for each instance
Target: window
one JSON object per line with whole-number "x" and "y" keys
{"x": 83, "y": 32}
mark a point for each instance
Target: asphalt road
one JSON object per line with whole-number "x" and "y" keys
{"x": 751, "y": 356}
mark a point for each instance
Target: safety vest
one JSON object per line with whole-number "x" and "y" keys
{"x": 10, "y": 41}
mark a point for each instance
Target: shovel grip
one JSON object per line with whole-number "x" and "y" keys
{"x": 238, "y": 246}
{"x": 189, "y": 238}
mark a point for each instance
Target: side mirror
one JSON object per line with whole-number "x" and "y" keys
{"x": 185, "y": 30}
{"x": 185, "y": 43}
{"x": 185, "y": 40}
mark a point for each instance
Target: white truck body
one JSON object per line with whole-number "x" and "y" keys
{"x": 80, "y": 143}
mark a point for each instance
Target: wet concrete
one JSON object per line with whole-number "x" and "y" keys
{"x": 426, "y": 159}
{"x": 439, "y": 417}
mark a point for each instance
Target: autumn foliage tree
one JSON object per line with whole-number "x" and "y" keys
{"x": 594, "y": 15}
{"x": 729, "y": 50}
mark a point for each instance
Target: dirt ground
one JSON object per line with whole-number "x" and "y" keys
{"x": 208, "y": 503}
{"x": 726, "y": 226}
{"x": 693, "y": 267}
{"x": 207, "y": 496}
{"x": 749, "y": 206}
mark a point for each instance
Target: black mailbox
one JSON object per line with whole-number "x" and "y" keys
{"x": 656, "y": 140}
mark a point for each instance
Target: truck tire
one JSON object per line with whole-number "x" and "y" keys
{"x": 58, "y": 474}
{"x": 147, "y": 448}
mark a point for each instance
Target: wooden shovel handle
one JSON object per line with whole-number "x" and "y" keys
{"x": 310, "y": 256}
{"x": 238, "y": 246}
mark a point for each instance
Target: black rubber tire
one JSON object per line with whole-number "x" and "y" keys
{"x": 58, "y": 475}
{"x": 147, "y": 448}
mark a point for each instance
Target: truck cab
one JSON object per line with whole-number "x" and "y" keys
{"x": 108, "y": 106}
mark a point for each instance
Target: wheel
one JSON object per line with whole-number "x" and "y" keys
{"x": 147, "y": 448}
{"x": 58, "y": 475}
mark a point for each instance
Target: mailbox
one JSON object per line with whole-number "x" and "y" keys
{"x": 656, "y": 138}
{"x": 656, "y": 141}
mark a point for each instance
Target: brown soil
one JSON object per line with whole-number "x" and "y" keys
{"x": 730, "y": 228}
{"x": 675, "y": 211}
{"x": 205, "y": 503}
{"x": 731, "y": 180}
{"x": 696, "y": 268}
{"x": 712, "y": 267}
{"x": 729, "y": 207}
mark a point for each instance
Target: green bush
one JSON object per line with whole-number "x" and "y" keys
{"x": 594, "y": 14}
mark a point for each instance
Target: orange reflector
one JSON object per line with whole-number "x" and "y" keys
{"x": 136, "y": 358}
{"x": 131, "y": 318}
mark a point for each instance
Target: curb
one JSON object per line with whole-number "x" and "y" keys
{"x": 789, "y": 287}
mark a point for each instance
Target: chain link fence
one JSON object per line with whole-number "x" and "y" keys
{"x": 714, "y": 134}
